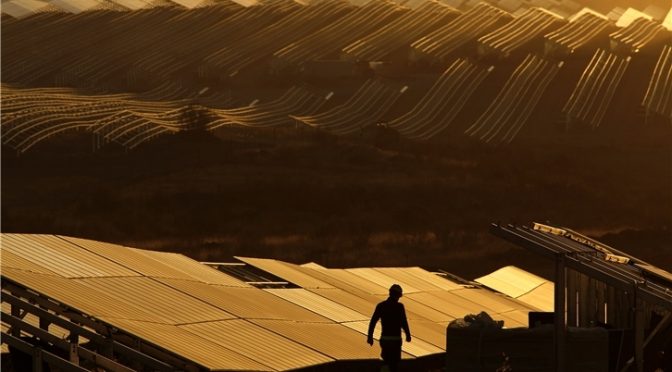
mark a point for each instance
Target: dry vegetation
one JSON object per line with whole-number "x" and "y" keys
{"x": 338, "y": 202}
{"x": 418, "y": 191}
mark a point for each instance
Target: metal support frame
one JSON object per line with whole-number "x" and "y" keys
{"x": 639, "y": 329}
{"x": 572, "y": 300}
{"x": 75, "y": 323}
{"x": 40, "y": 356}
{"x": 73, "y": 350}
{"x": 663, "y": 324}
{"x": 64, "y": 311}
{"x": 16, "y": 311}
{"x": 560, "y": 336}
{"x": 622, "y": 289}
{"x": 548, "y": 247}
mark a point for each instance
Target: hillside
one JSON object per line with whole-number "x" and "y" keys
{"x": 377, "y": 133}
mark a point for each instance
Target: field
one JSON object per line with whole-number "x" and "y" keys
{"x": 253, "y": 136}
{"x": 341, "y": 202}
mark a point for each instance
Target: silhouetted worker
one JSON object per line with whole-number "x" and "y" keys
{"x": 393, "y": 317}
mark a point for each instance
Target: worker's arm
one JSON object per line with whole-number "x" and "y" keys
{"x": 372, "y": 325}
{"x": 404, "y": 324}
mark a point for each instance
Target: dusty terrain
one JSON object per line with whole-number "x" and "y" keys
{"x": 308, "y": 197}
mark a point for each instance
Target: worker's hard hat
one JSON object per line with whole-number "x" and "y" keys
{"x": 396, "y": 289}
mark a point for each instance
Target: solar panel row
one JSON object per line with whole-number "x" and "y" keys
{"x": 252, "y": 35}
{"x": 207, "y": 318}
{"x": 522, "y": 285}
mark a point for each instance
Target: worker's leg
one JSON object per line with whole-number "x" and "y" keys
{"x": 391, "y": 353}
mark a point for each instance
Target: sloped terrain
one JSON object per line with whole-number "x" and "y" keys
{"x": 249, "y": 54}
{"x": 333, "y": 129}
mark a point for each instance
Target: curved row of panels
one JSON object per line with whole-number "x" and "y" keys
{"x": 598, "y": 84}
{"x": 100, "y": 49}
{"x": 563, "y": 8}
{"x": 28, "y": 120}
{"x": 17, "y": 9}
{"x": 658, "y": 97}
{"x": 248, "y": 49}
{"x": 638, "y": 34}
{"x": 505, "y": 117}
{"x": 439, "y": 107}
{"x": 369, "y": 103}
{"x": 444, "y": 41}
{"x": 131, "y": 49}
{"x": 33, "y": 115}
{"x": 178, "y": 314}
{"x": 579, "y": 32}
{"x": 378, "y": 45}
{"x": 337, "y": 35}
{"x": 504, "y": 40}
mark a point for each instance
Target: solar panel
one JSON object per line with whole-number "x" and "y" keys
{"x": 333, "y": 340}
{"x": 23, "y": 8}
{"x": 249, "y": 303}
{"x": 166, "y": 304}
{"x": 160, "y": 265}
{"x": 629, "y": 16}
{"x": 382, "y": 280}
{"x": 435, "y": 280}
{"x": 580, "y": 254}
{"x": 667, "y": 22}
{"x": 512, "y": 281}
{"x": 364, "y": 305}
{"x": 540, "y": 297}
{"x": 74, "y": 294}
{"x": 402, "y": 275}
{"x": 195, "y": 269}
{"x": 286, "y": 271}
{"x": 190, "y": 345}
{"x": 318, "y": 304}
{"x": 15, "y": 261}
{"x": 75, "y": 6}
{"x": 347, "y": 281}
{"x": 61, "y": 257}
{"x": 263, "y": 346}
{"x": 133, "y": 4}
{"x": 203, "y": 316}
{"x": 416, "y": 309}
{"x": 493, "y": 302}
{"x": 433, "y": 333}
{"x": 447, "y": 302}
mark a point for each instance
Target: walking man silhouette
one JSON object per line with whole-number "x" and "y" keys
{"x": 392, "y": 315}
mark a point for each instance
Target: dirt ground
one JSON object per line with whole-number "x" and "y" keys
{"x": 304, "y": 196}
